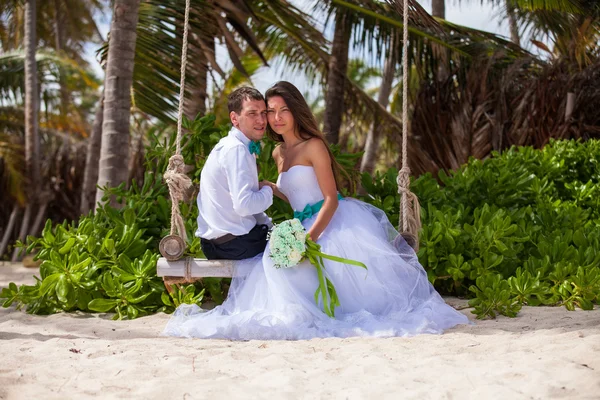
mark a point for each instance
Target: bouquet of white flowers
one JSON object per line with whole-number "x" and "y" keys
{"x": 289, "y": 245}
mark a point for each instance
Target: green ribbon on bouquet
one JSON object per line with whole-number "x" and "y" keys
{"x": 326, "y": 290}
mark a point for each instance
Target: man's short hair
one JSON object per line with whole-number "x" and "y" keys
{"x": 237, "y": 97}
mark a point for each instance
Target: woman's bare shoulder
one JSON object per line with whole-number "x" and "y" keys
{"x": 316, "y": 152}
{"x": 276, "y": 151}
{"x": 315, "y": 145}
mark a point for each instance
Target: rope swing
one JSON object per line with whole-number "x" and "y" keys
{"x": 173, "y": 246}
{"x": 410, "y": 210}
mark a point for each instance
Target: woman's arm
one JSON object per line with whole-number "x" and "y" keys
{"x": 276, "y": 191}
{"x": 318, "y": 156}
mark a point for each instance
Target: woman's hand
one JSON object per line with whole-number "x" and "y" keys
{"x": 262, "y": 184}
{"x": 275, "y": 189}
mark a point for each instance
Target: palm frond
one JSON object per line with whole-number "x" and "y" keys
{"x": 573, "y": 35}
{"x": 290, "y": 37}
{"x": 374, "y": 23}
{"x": 252, "y": 63}
{"x": 12, "y": 72}
{"x": 78, "y": 23}
{"x": 565, "y": 6}
{"x": 158, "y": 48}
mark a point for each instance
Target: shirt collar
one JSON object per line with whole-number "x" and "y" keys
{"x": 236, "y": 133}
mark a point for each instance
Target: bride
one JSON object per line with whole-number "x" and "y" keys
{"x": 392, "y": 298}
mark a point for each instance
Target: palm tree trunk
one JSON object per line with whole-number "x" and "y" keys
{"x": 195, "y": 103}
{"x": 32, "y": 140}
{"x": 9, "y": 229}
{"x": 338, "y": 65}
{"x": 438, "y": 8}
{"x": 512, "y": 23}
{"x": 23, "y": 231}
{"x": 136, "y": 158}
{"x": 92, "y": 160}
{"x": 41, "y": 214}
{"x": 374, "y": 134}
{"x": 59, "y": 34}
{"x": 114, "y": 151}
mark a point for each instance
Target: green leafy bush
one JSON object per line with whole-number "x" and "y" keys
{"x": 522, "y": 227}
{"x": 106, "y": 261}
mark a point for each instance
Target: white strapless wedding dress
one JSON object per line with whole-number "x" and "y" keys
{"x": 392, "y": 298}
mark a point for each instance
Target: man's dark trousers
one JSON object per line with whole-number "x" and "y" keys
{"x": 237, "y": 247}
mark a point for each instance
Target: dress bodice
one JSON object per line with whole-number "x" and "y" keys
{"x": 300, "y": 186}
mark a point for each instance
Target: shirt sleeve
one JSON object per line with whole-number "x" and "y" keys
{"x": 240, "y": 169}
{"x": 263, "y": 219}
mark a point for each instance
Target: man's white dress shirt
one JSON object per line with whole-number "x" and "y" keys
{"x": 229, "y": 200}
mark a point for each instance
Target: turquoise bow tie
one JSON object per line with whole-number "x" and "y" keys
{"x": 254, "y": 147}
{"x": 311, "y": 209}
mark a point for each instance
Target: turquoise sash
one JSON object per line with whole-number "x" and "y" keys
{"x": 311, "y": 209}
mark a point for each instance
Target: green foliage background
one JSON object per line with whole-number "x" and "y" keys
{"x": 522, "y": 227}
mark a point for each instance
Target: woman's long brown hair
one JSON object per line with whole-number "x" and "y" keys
{"x": 306, "y": 124}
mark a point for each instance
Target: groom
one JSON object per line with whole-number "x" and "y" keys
{"x": 231, "y": 203}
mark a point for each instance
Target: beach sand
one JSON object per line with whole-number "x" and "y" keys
{"x": 544, "y": 353}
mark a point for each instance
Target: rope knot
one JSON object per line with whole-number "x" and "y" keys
{"x": 178, "y": 183}
{"x": 176, "y": 178}
{"x": 403, "y": 179}
{"x": 176, "y": 163}
{"x": 410, "y": 212}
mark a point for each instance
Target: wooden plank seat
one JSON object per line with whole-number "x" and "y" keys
{"x": 188, "y": 270}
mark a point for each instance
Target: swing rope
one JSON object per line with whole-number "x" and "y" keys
{"x": 410, "y": 213}
{"x": 175, "y": 177}
{"x": 179, "y": 183}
